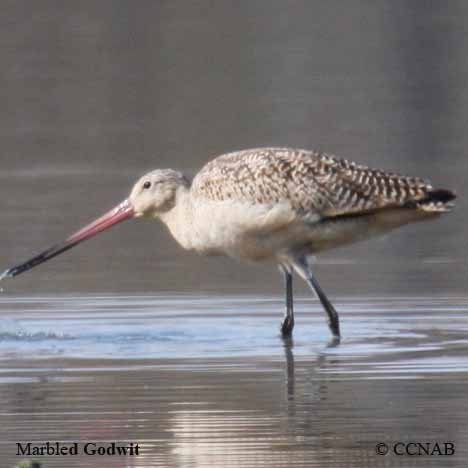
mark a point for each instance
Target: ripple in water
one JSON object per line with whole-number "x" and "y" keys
{"x": 196, "y": 326}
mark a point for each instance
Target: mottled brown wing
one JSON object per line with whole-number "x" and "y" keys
{"x": 313, "y": 183}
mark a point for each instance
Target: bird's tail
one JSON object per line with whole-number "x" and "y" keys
{"x": 437, "y": 201}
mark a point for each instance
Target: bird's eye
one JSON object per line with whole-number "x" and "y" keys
{"x": 147, "y": 184}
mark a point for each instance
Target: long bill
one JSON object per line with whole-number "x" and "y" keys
{"x": 118, "y": 214}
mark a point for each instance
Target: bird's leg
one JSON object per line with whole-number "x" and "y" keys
{"x": 302, "y": 267}
{"x": 288, "y": 321}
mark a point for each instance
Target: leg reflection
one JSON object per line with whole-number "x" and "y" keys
{"x": 288, "y": 345}
{"x": 290, "y": 378}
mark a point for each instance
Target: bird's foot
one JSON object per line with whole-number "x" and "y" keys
{"x": 334, "y": 326}
{"x": 287, "y": 327}
{"x": 334, "y": 341}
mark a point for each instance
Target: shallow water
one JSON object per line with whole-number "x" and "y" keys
{"x": 94, "y": 94}
{"x": 206, "y": 380}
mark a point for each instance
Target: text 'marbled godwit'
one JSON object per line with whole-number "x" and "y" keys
{"x": 277, "y": 204}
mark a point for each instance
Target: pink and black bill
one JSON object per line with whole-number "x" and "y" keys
{"x": 118, "y": 214}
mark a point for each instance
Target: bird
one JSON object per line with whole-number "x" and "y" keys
{"x": 277, "y": 205}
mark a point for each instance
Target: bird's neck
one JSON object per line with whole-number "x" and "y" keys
{"x": 180, "y": 219}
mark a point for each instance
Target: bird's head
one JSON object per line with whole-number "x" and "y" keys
{"x": 155, "y": 193}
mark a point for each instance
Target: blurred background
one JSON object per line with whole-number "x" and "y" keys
{"x": 128, "y": 337}
{"x": 93, "y": 94}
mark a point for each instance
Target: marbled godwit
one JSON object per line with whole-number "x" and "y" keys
{"x": 278, "y": 204}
